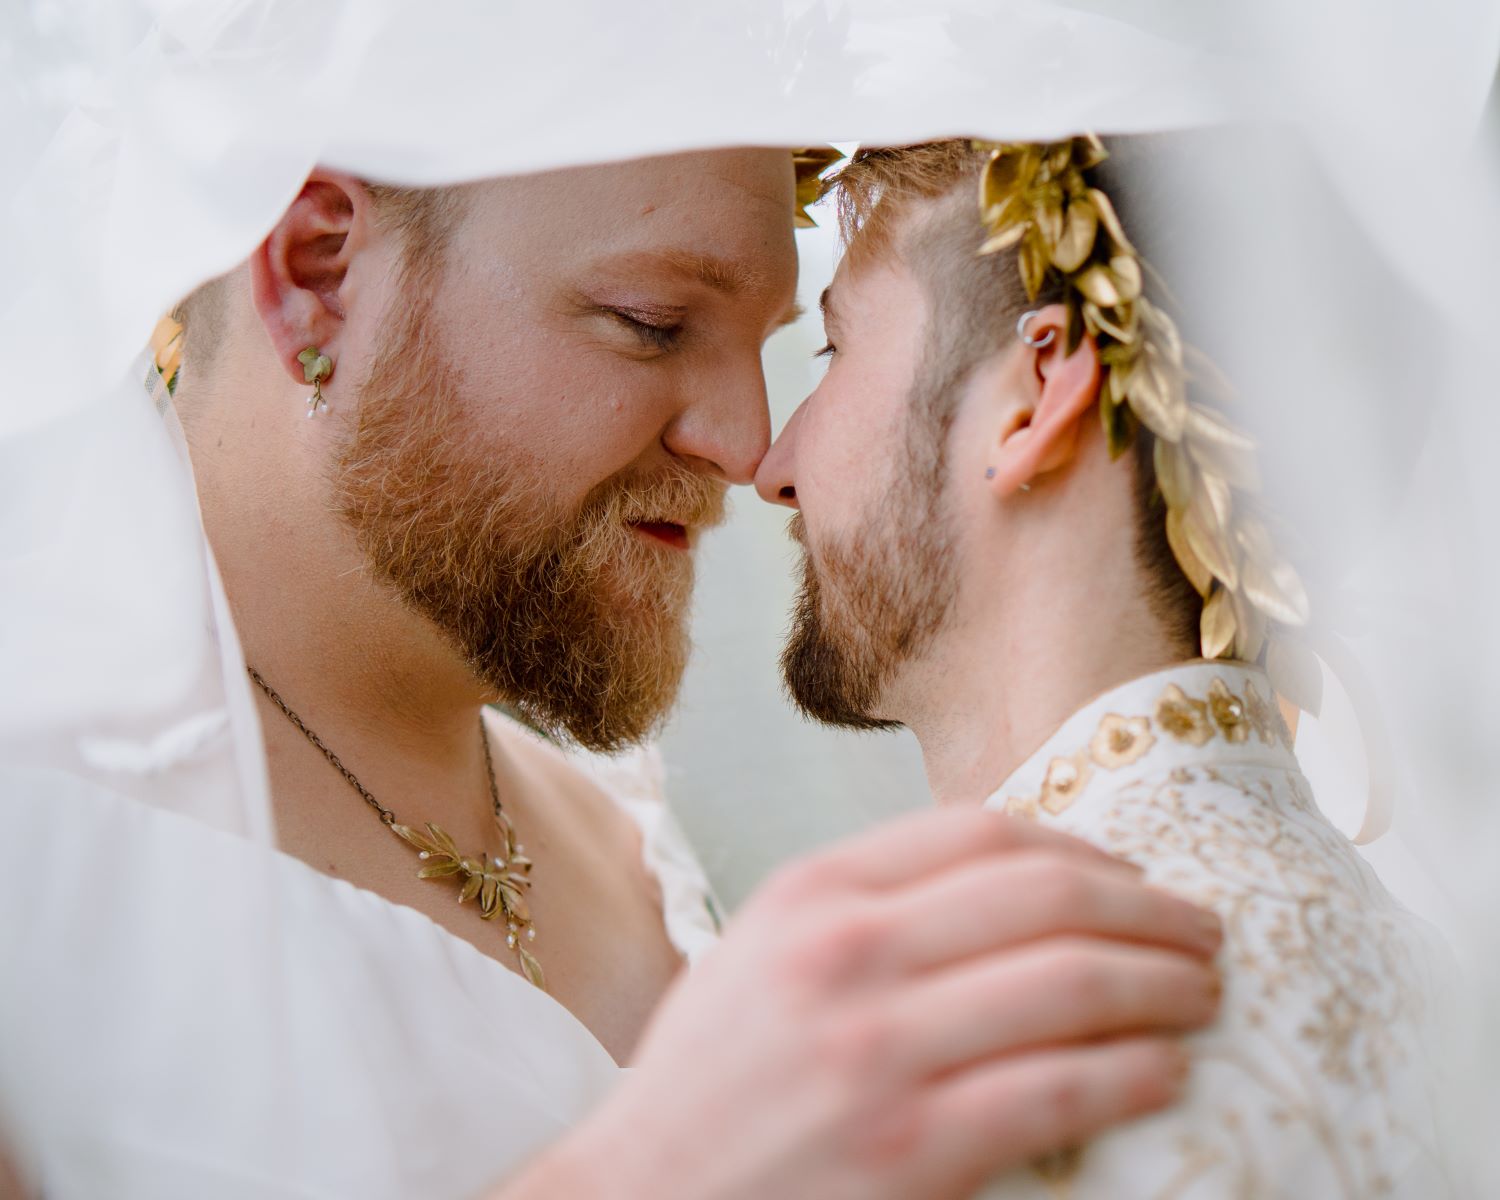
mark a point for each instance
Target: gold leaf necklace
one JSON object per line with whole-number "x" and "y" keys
{"x": 499, "y": 883}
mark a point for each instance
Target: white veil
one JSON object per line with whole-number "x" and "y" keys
{"x": 197, "y": 120}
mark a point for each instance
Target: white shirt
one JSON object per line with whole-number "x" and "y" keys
{"x": 1313, "y": 1081}
{"x": 186, "y": 1012}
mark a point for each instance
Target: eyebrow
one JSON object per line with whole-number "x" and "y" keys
{"x": 825, "y": 304}
{"x": 726, "y": 275}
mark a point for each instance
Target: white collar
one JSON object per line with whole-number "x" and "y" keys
{"x": 1198, "y": 712}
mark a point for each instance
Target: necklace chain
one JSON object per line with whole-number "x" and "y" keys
{"x": 499, "y": 884}
{"x": 386, "y": 815}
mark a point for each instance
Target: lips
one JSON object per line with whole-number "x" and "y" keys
{"x": 667, "y": 532}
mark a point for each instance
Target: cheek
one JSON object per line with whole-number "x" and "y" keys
{"x": 578, "y": 412}
{"x": 844, "y": 451}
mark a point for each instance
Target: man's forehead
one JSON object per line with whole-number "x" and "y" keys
{"x": 731, "y": 274}
{"x": 720, "y": 220}
{"x": 729, "y": 179}
{"x": 856, "y": 279}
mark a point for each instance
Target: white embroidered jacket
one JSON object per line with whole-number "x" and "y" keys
{"x": 1313, "y": 1082}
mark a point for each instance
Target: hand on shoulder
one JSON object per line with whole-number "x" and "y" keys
{"x": 905, "y": 1014}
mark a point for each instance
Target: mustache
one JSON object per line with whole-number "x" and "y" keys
{"x": 675, "y": 494}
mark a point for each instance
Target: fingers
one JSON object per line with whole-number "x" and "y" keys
{"x": 914, "y": 846}
{"x": 1044, "y": 994}
{"x": 1006, "y": 1113}
{"x": 992, "y": 903}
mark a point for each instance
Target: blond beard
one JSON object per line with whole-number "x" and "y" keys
{"x": 571, "y": 616}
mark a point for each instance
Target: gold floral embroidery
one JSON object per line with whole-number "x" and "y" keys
{"x": 1021, "y": 806}
{"x": 1324, "y": 992}
{"x": 1120, "y": 741}
{"x": 1228, "y": 712}
{"x": 1064, "y": 783}
{"x": 1262, "y": 716}
{"x": 1185, "y": 719}
{"x": 1323, "y": 975}
{"x": 1058, "y": 1167}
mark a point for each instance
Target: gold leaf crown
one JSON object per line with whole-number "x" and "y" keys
{"x": 809, "y": 163}
{"x": 1035, "y": 197}
{"x": 166, "y": 350}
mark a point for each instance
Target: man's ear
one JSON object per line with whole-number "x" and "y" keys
{"x": 297, "y": 274}
{"x": 1041, "y": 433}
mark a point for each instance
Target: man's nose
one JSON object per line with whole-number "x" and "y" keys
{"x": 775, "y": 481}
{"x": 728, "y": 425}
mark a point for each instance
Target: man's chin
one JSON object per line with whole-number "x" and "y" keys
{"x": 827, "y": 678}
{"x": 603, "y": 685}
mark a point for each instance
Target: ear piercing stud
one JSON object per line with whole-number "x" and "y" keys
{"x": 989, "y": 473}
{"x": 316, "y": 367}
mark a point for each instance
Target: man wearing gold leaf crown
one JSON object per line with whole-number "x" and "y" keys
{"x": 1069, "y": 613}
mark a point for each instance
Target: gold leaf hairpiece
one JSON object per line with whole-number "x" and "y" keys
{"x": 809, "y": 163}
{"x": 166, "y": 351}
{"x": 1035, "y": 198}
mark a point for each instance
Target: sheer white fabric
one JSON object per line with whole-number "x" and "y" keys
{"x": 226, "y": 1021}
{"x": 636, "y": 780}
{"x": 233, "y": 1022}
{"x": 168, "y": 972}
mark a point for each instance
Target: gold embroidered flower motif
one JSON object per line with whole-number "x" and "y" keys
{"x": 1184, "y": 718}
{"x": 1064, "y": 782}
{"x": 1120, "y": 741}
{"x": 1024, "y": 807}
{"x": 1262, "y": 716}
{"x": 1059, "y": 1166}
{"x": 1228, "y": 712}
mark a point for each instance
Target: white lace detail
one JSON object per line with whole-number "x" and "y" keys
{"x": 635, "y": 781}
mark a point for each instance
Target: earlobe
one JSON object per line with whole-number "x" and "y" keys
{"x": 298, "y": 274}
{"x": 1013, "y": 457}
{"x": 1016, "y": 456}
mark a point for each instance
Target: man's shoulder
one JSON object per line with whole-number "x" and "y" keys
{"x": 1318, "y": 955}
{"x": 1315, "y": 1079}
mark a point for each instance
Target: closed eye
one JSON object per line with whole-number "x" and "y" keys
{"x": 827, "y": 351}
{"x": 652, "y": 331}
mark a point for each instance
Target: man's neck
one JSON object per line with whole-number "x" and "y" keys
{"x": 1002, "y": 682}
{"x": 335, "y": 643}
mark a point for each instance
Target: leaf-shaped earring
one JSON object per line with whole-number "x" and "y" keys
{"x": 316, "y": 367}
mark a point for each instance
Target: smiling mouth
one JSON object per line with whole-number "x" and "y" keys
{"x": 667, "y": 532}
